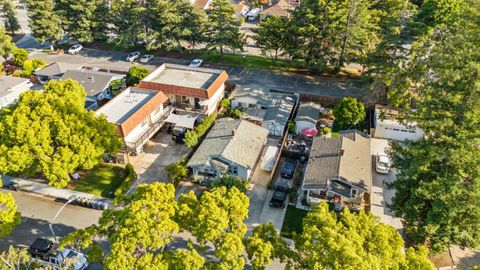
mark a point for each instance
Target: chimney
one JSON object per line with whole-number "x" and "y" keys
{"x": 233, "y": 132}
{"x": 342, "y": 151}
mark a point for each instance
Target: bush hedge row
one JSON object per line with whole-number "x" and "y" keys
{"x": 127, "y": 183}
{"x": 192, "y": 137}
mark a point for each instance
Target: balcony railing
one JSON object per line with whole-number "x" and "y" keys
{"x": 150, "y": 132}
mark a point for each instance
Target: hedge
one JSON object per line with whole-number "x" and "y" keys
{"x": 192, "y": 137}
{"x": 127, "y": 183}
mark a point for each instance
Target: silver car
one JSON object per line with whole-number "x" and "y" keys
{"x": 133, "y": 56}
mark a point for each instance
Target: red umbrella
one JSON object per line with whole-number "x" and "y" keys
{"x": 309, "y": 132}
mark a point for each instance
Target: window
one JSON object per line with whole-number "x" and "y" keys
{"x": 157, "y": 110}
{"x": 354, "y": 193}
{"x": 233, "y": 170}
{"x": 144, "y": 122}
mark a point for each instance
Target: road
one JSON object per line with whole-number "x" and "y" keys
{"x": 38, "y": 211}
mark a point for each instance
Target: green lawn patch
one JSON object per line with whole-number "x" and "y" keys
{"x": 293, "y": 221}
{"x": 251, "y": 61}
{"x": 102, "y": 180}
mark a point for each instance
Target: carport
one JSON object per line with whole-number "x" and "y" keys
{"x": 185, "y": 120}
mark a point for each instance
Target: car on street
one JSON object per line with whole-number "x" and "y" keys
{"x": 382, "y": 164}
{"x": 196, "y": 63}
{"x": 48, "y": 254}
{"x": 133, "y": 56}
{"x": 279, "y": 196}
{"x": 288, "y": 168}
{"x": 146, "y": 58}
{"x": 75, "y": 49}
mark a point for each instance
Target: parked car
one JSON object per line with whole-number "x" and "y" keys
{"x": 146, "y": 58}
{"x": 178, "y": 134}
{"x": 133, "y": 56}
{"x": 382, "y": 164}
{"x": 280, "y": 195}
{"x": 288, "y": 168}
{"x": 48, "y": 254}
{"x": 75, "y": 49}
{"x": 196, "y": 63}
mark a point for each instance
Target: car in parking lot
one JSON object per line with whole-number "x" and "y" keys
{"x": 382, "y": 164}
{"x": 133, "y": 56}
{"x": 288, "y": 168}
{"x": 196, "y": 63}
{"x": 279, "y": 196}
{"x": 75, "y": 49}
{"x": 146, "y": 58}
{"x": 48, "y": 254}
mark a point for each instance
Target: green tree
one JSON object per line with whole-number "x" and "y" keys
{"x": 6, "y": 44}
{"x": 136, "y": 74}
{"x": 348, "y": 113}
{"x": 29, "y": 66}
{"x": 437, "y": 187}
{"x": 271, "y": 35}
{"x": 117, "y": 86}
{"x": 191, "y": 139}
{"x": 440, "y": 12}
{"x": 128, "y": 19}
{"x": 264, "y": 245}
{"x": 224, "y": 30}
{"x": 78, "y": 18}
{"x": 19, "y": 56}
{"x": 100, "y": 21}
{"x": 9, "y": 217}
{"x": 225, "y": 103}
{"x": 43, "y": 21}
{"x": 176, "y": 172}
{"x": 351, "y": 241}
{"x": 9, "y": 16}
{"x": 18, "y": 259}
{"x": 53, "y": 134}
{"x": 230, "y": 181}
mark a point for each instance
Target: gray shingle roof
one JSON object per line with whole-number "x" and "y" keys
{"x": 93, "y": 81}
{"x": 327, "y": 162}
{"x": 309, "y": 112}
{"x": 7, "y": 82}
{"x": 57, "y": 69}
{"x": 243, "y": 148}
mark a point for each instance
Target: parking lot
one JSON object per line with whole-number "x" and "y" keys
{"x": 159, "y": 152}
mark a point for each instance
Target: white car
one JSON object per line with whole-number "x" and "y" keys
{"x": 196, "y": 63}
{"x": 48, "y": 254}
{"x": 382, "y": 164}
{"x": 75, "y": 49}
{"x": 133, "y": 56}
{"x": 146, "y": 58}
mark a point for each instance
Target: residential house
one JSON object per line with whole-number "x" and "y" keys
{"x": 54, "y": 71}
{"x": 96, "y": 84}
{"x": 138, "y": 114}
{"x": 339, "y": 170}
{"x": 386, "y": 124}
{"x": 190, "y": 88}
{"x": 280, "y": 8}
{"x": 201, "y": 4}
{"x": 232, "y": 146}
{"x": 11, "y": 88}
{"x": 307, "y": 116}
{"x": 271, "y": 110}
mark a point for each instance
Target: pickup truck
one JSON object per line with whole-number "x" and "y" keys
{"x": 280, "y": 195}
{"x": 48, "y": 254}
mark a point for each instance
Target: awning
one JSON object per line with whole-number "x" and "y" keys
{"x": 187, "y": 121}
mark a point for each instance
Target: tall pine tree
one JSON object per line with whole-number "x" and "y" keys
{"x": 9, "y": 16}
{"x": 43, "y": 21}
{"x": 224, "y": 27}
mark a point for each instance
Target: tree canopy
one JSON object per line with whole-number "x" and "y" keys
{"x": 43, "y": 20}
{"x": 6, "y": 44}
{"x": 136, "y": 74}
{"x": 348, "y": 113}
{"x": 53, "y": 134}
{"x": 9, "y": 217}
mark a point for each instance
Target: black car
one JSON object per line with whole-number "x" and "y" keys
{"x": 279, "y": 197}
{"x": 288, "y": 168}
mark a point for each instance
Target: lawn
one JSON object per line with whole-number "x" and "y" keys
{"x": 293, "y": 221}
{"x": 251, "y": 61}
{"x": 102, "y": 180}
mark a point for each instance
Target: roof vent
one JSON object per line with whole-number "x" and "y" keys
{"x": 233, "y": 132}
{"x": 91, "y": 78}
{"x": 342, "y": 151}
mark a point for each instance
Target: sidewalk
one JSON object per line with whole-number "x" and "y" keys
{"x": 46, "y": 190}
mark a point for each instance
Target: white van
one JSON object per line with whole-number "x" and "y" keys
{"x": 252, "y": 15}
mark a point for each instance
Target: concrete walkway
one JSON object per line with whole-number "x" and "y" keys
{"x": 46, "y": 190}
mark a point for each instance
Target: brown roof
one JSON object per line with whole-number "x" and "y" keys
{"x": 137, "y": 117}
{"x": 201, "y": 3}
{"x": 187, "y": 91}
{"x": 282, "y": 8}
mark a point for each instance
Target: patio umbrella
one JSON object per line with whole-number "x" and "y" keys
{"x": 309, "y": 132}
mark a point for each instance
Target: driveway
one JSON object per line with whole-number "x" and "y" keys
{"x": 159, "y": 152}
{"x": 380, "y": 195}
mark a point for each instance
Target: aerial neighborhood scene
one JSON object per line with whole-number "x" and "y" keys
{"x": 240, "y": 134}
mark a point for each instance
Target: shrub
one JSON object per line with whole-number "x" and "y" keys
{"x": 29, "y": 66}
{"x": 225, "y": 103}
{"x": 127, "y": 183}
{"x": 176, "y": 172}
{"x": 136, "y": 74}
{"x": 291, "y": 126}
{"x": 192, "y": 137}
{"x": 348, "y": 113}
{"x": 326, "y": 130}
{"x": 19, "y": 56}
{"x": 116, "y": 86}
{"x": 230, "y": 181}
